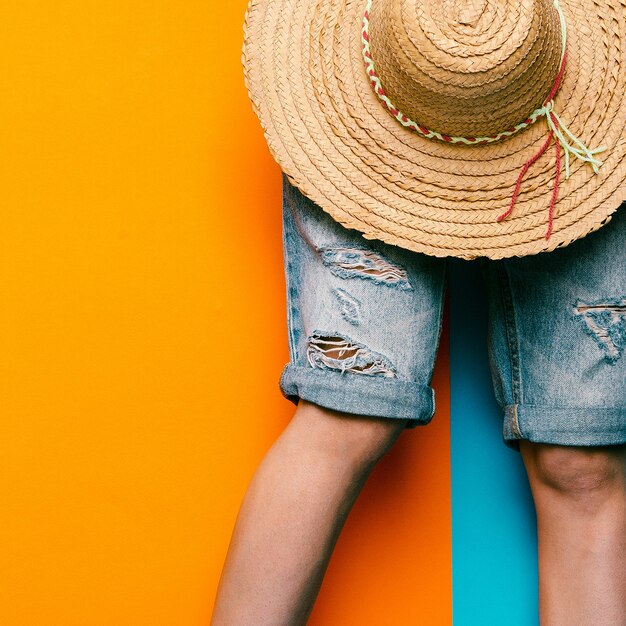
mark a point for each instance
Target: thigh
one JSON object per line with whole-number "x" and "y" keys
{"x": 556, "y": 340}
{"x": 364, "y": 317}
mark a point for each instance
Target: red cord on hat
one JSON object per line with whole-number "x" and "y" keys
{"x": 556, "y": 181}
{"x": 543, "y": 148}
{"x": 562, "y": 137}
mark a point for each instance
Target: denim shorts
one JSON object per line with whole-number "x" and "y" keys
{"x": 364, "y": 321}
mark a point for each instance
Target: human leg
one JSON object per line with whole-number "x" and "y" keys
{"x": 292, "y": 514}
{"x": 580, "y": 499}
{"x": 364, "y": 321}
{"x": 557, "y": 337}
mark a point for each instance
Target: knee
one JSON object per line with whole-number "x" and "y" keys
{"x": 577, "y": 469}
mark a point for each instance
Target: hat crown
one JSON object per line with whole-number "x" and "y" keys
{"x": 469, "y": 11}
{"x": 467, "y": 68}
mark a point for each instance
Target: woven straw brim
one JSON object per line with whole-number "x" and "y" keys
{"x": 339, "y": 145}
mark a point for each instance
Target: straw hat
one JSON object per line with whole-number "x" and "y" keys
{"x": 462, "y": 128}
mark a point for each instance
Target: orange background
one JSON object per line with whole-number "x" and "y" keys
{"x": 142, "y": 332}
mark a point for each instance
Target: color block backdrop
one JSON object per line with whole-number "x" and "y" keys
{"x": 142, "y": 332}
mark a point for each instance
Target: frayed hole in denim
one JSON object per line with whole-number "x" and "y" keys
{"x": 339, "y": 352}
{"x": 605, "y": 322}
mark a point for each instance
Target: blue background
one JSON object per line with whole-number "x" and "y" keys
{"x": 494, "y": 539}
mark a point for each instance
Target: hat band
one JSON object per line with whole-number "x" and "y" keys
{"x": 557, "y": 128}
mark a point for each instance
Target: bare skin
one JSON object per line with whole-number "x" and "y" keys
{"x": 580, "y": 499}
{"x": 292, "y": 513}
{"x": 304, "y": 488}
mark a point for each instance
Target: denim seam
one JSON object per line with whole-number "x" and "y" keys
{"x": 547, "y": 407}
{"x": 569, "y": 431}
{"x": 511, "y": 333}
{"x": 515, "y": 422}
{"x": 290, "y": 291}
{"x": 442, "y": 298}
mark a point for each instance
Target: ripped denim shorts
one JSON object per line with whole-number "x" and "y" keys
{"x": 364, "y": 321}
